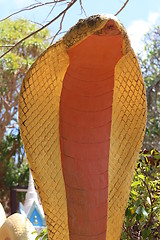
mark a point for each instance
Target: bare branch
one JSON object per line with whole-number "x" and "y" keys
{"x": 122, "y": 8}
{"x": 60, "y": 28}
{"x": 50, "y": 11}
{"x": 37, "y": 23}
{"x": 40, "y": 29}
{"x": 82, "y": 8}
{"x": 31, "y": 7}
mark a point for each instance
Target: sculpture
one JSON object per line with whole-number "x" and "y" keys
{"x": 16, "y": 227}
{"x": 82, "y": 116}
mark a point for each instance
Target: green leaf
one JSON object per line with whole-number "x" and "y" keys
{"x": 134, "y": 192}
{"x": 139, "y": 210}
{"x": 123, "y": 236}
{"x": 145, "y": 214}
{"x": 45, "y": 237}
{"x": 148, "y": 200}
{"x": 135, "y": 184}
{"x": 145, "y": 233}
{"x": 128, "y": 213}
{"x": 141, "y": 176}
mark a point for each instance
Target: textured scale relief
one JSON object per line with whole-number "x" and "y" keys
{"x": 82, "y": 143}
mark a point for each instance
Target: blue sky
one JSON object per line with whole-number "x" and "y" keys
{"x": 137, "y": 17}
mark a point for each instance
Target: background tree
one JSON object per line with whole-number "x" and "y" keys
{"x": 13, "y": 67}
{"x": 142, "y": 218}
{"x": 150, "y": 65}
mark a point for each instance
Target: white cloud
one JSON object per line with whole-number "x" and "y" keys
{"x": 153, "y": 17}
{"x": 138, "y": 28}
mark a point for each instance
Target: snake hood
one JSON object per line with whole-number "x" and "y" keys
{"x": 82, "y": 116}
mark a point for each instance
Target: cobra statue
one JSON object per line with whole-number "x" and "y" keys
{"x": 15, "y": 227}
{"x": 82, "y": 116}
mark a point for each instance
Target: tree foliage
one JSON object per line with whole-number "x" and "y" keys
{"x": 14, "y": 65}
{"x": 149, "y": 61}
{"x": 43, "y": 235}
{"x": 14, "y": 168}
{"x": 142, "y": 217}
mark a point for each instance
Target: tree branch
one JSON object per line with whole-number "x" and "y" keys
{"x": 39, "y": 4}
{"x": 127, "y": 232}
{"x": 31, "y": 7}
{"x": 82, "y": 8}
{"x": 40, "y": 29}
{"x": 121, "y": 8}
{"x": 50, "y": 11}
{"x": 151, "y": 200}
{"x": 154, "y": 85}
{"x": 60, "y": 28}
{"x": 12, "y": 151}
{"x": 37, "y": 23}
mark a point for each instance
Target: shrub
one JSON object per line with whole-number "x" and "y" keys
{"x": 142, "y": 216}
